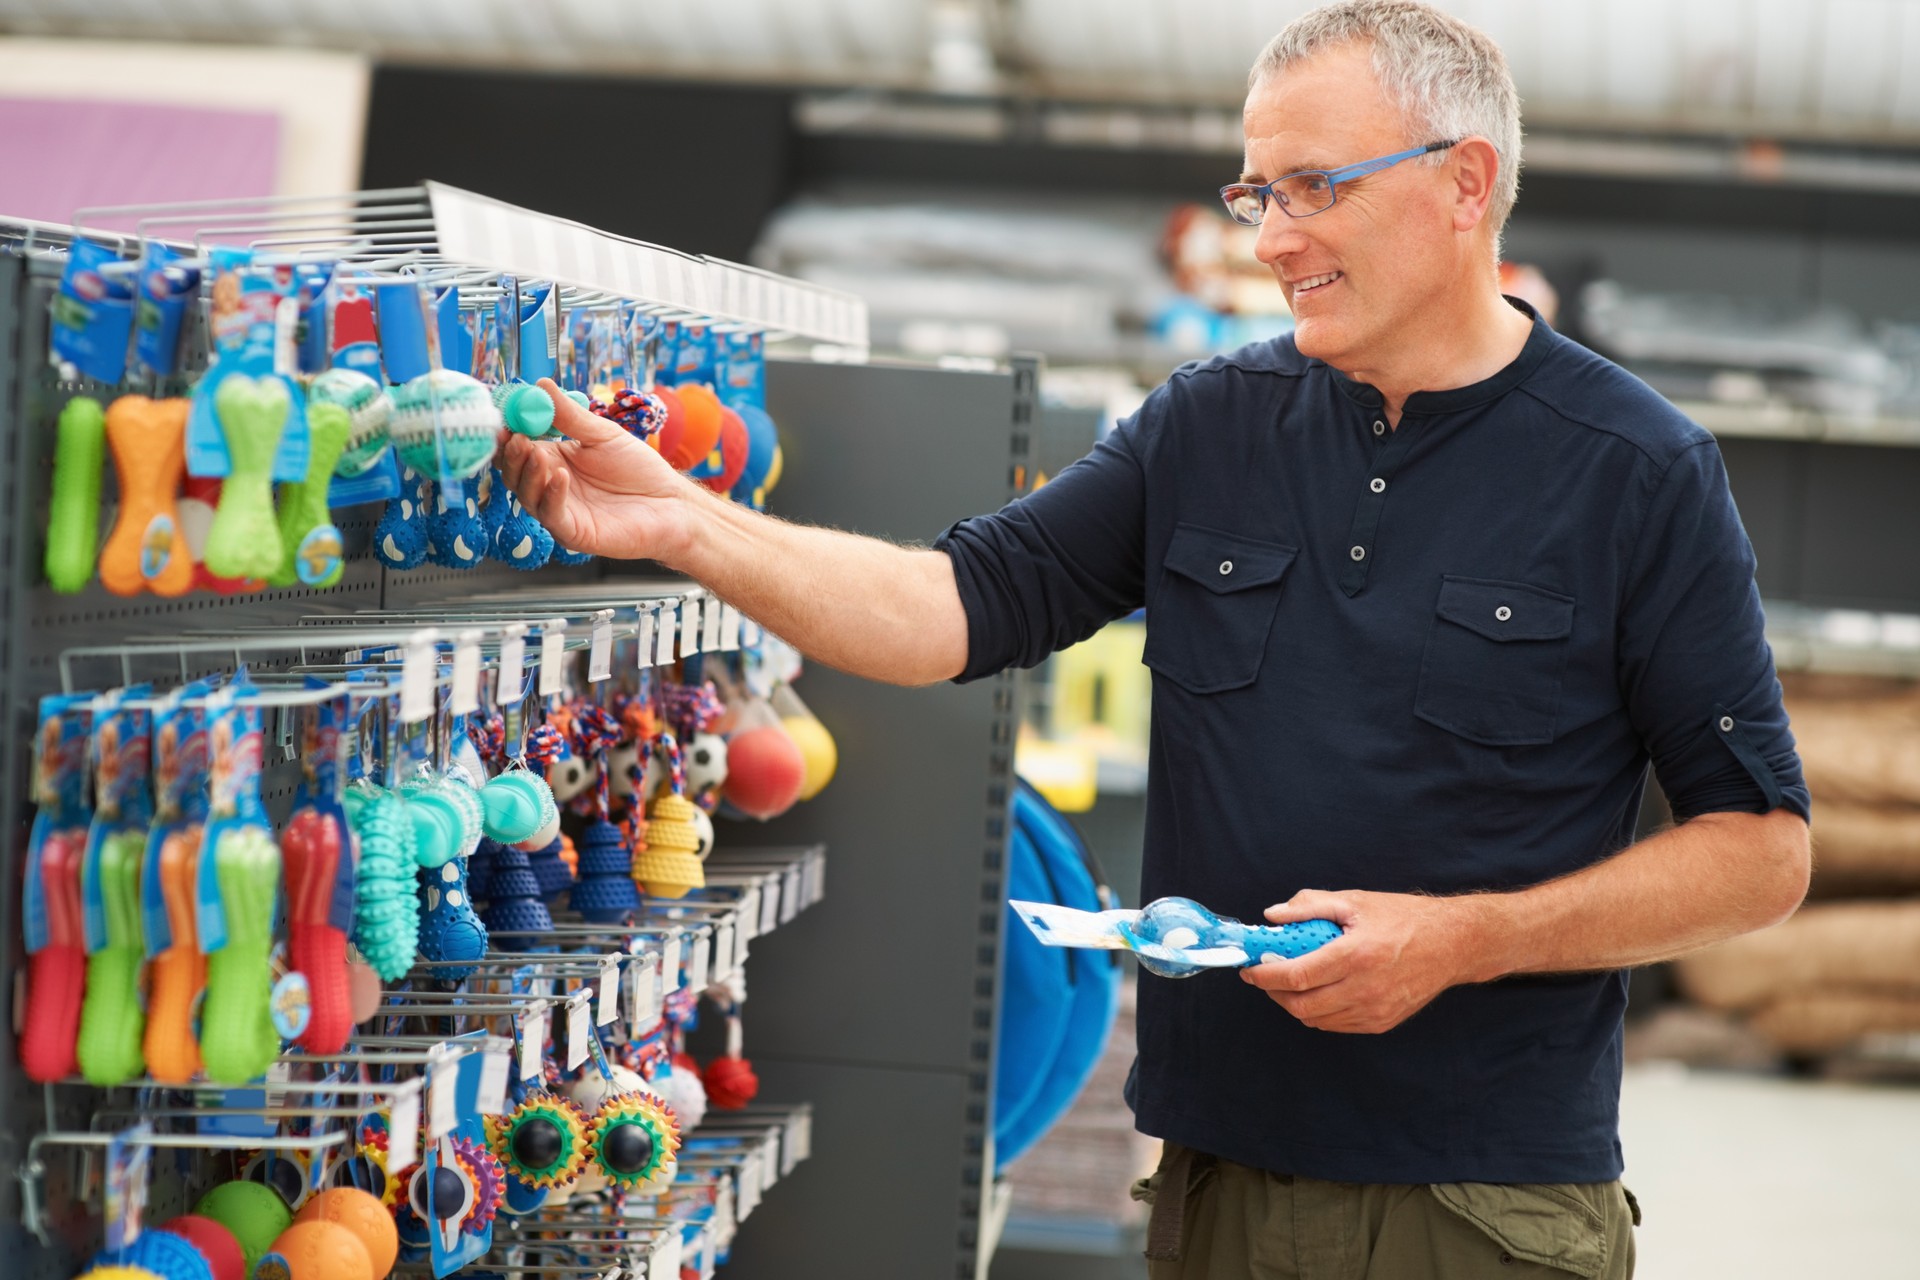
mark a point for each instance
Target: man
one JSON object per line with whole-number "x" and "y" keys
{"x": 1428, "y": 587}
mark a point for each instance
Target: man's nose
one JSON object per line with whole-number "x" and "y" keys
{"x": 1279, "y": 236}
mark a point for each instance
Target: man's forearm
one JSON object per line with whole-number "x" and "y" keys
{"x": 1711, "y": 878}
{"x": 859, "y": 604}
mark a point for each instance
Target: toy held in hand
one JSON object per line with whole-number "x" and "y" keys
{"x": 1175, "y": 937}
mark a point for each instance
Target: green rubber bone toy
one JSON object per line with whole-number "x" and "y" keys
{"x": 244, "y": 541}
{"x": 303, "y": 505}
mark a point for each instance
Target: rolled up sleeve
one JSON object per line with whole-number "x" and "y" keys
{"x": 1050, "y": 569}
{"x": 1696, "y": 671}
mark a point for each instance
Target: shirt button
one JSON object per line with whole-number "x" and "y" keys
{"x": 1726, "y": 724}
{"x": 1226, "y": 567}
{"x": 1503, "y": 613}
{"x": 1379, "y": 427}
{"x": 1358, "y": 553}
{"x": 1378, "y": 485}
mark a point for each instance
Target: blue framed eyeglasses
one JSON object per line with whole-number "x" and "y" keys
{"x": 1311, "y": 191}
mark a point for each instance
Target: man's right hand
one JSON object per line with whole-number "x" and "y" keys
{"x": 600, "y": 489}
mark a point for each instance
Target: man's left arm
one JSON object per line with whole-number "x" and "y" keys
{"x": 1698, "y": 681}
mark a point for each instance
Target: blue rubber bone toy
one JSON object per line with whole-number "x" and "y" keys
{"x": 1175, "y": 937}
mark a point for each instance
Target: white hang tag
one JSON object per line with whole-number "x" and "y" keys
{"x": 496, "y": 1059}
{"x": 403, "y": 1128}
{"x": 750, "y": 632}
{"x": 553, "y": 650}
{"x": 511, "y": 685}
{"x": 729, "y": 627}
{"x": 464, "y": 697}
{"x": 644, "y": 649}
{"x": 533, "y": 1040}
{"x": 600, "y": 652}
{"x": 417, "y": 677}
{"x": 670, "y": 966}
{"x": 699, "y": 961}
{"x": 724, "y": 962}
{"x": 792, "y": 886}
{"x": 690, "y": 626}
{"x": 816, "y": 876}
{"x": 710, "y": 625}
{"x": 579, "y": 1027}
{"x": 443, "y": 1081}
{"x": 609, "y": 1003}
{"x": 770, "y": 904}
{"x": 769, "y": 1165}
{"x": 748, "y": 915}
{"x": 663, "y": 651}
{"x": 646, "y": 993}
{"x": 666, "y": 1256}
{"x": 750, "y": 1186}
{"x": 800, "y": 1135}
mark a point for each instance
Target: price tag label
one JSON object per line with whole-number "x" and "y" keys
{"x": 553, "y": 651}
{"x": 724, "y": 960}
{"x": 403, "y": 1133}
{"x": 443, "y": 1081}
{"x": 609, "y": 1004}
{"x": 417, "y": 677}
{"x": 663, "y": 651}
{"x": 464, "y": 697}
{"x": 700, "y": 961}
{"x": 769, "y": 905}
{"x": 748, "y": 1193}
{"x": 690, "y": 626}
{"x": 670, "y": 965}
{"x": 579, "y": 1027}
{"x": 748, "y": 915}
{"x": 792, "y": 887}
{"x": 666, "y": 1256}
{"x": 511, "y": 684}
{"x": 600, "y": 651}
{"x": 494, "y": 1062}
{"x": 645, "y": 979}
{"x": 800, "y": 1135}
{"x": 129, "y": 1165}
{"x": 644, "y": 648}
{"x": 710, "y": 627}
{"x": 533, "y": 1039}
{"x": 729, "y": 627}
{"x": 817, "y": 873}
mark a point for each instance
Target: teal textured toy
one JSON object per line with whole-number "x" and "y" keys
{"x": 369, "y": 410}
{"x": 386, "y": 906}
{"x": 527, "y": 410}
{"x": 466, "y": 417}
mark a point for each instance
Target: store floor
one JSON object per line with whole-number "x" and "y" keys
{"x": 1755, "y": 1177}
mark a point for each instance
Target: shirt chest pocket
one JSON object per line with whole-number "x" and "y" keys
{"x": 1208, "y": 622}
{"x": 1495, "y": 659}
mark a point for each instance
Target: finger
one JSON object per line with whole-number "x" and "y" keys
{"x": 1315, "y": 904}
{"x": 511, "y": 458}
{"x": 551, "y": 508}
{"x": 577, "y": 423}
{"x": 1315, "y": 1008}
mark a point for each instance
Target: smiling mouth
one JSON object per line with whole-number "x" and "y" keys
{"x": 1314, "y": 284}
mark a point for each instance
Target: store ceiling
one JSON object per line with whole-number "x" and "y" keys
{"x": 1840, "y": 67}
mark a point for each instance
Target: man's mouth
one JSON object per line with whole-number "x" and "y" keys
{"x": 1313, "y": 284}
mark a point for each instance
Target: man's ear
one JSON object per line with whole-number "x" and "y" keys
{"x": 1476, "y": 172}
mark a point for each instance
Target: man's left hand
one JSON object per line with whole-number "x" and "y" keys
{"x": 1397, "y": 952}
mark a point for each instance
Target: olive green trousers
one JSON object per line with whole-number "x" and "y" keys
{"x": 1237, "y": 1223}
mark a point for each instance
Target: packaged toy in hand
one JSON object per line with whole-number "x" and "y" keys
{"x": 1175, "y": 937}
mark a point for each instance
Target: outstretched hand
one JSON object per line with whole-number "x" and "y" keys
{"x": 1397, "y": 952}
{"x": 600, "y": 489}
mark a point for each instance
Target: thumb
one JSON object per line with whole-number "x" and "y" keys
{"x": 1314, "y": 904}
{"x": 576, "y": 423}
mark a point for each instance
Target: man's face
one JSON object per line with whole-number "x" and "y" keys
{"x": 1360, "y": 273}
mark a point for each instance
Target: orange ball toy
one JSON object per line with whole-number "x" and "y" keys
{"x": 363, "y": 1214}
{"x": 733, "y": 452}
{"x": 701, "y": 429}
{"x": 324, "y": 1251}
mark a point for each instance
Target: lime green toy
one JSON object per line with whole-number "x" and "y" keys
{"x": 111, "y": 1021}
{"x": 237, "y": 1038}
{"x": 73, "y": 525}
{"x": 244, "y": 541}
{"x": 303, "y": 505}
{"x": 252, "y": 1211}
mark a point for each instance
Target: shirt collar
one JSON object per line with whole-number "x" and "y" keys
{"x": 1539, "y": 342}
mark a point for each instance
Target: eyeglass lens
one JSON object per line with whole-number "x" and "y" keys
{"x": 1299, "y": 194}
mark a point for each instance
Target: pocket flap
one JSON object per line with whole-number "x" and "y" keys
{"x": 1224, "y": 562}
{"x": 1537, "y": 1222}
{"x": 1505, "y": 610}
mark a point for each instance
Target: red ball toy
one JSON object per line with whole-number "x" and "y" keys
{"x": 731, "y": 1083}
{"x": 215, "y": 1243}
{"x": 765, "y": 772}
{"x": 734, "y": 445}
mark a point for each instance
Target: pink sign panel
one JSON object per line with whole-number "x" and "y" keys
{"x": 58, "y": 155}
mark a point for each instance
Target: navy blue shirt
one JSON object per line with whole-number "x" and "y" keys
{"x": 1435, "y": 659}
